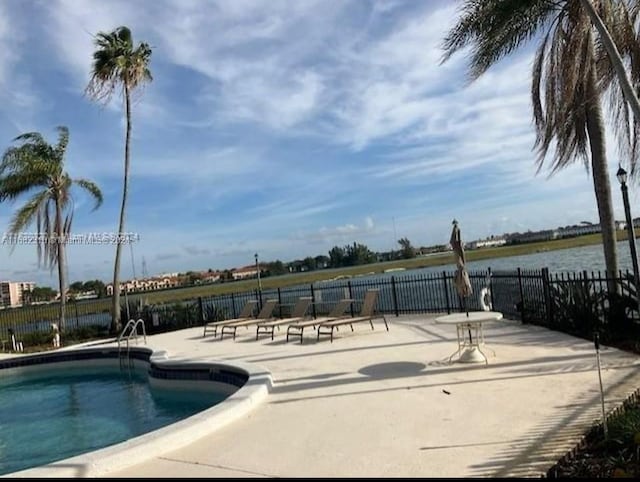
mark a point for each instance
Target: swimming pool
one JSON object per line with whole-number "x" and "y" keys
{"x": 94, "y": 414}
{"x": 56, "y": 414}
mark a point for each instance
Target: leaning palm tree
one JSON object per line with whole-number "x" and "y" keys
{"x": 118, "y": 65}
{"x": 626, "y": 38}
{"x": 36, "y": 168}
{"x": 571, "y": 71}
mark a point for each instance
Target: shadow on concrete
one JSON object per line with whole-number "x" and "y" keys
{"x": 553, "y": 437}
{"x": 320, "y": 376}
{"x": 393, "y": 369}
{"x": 528, "y": 456}
{"x": 79, "y": 470}
{"x": 331, "y": 352}
{"x": 494, "y": 373}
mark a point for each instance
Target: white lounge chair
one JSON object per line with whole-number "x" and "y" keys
{"x": 266, "y": 314}
{"x": 367, "y": 313}
{"x": 245, "y": 314}
{"x": 297, "y": 314}
{"x": 337, "y": 312}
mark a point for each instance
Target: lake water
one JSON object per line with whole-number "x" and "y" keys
{"x": 590, "y": 258}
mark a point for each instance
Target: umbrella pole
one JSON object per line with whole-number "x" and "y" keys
{"x": 466, "y": 308}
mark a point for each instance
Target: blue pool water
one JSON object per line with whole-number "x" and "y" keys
{"x": 54, "y": 414}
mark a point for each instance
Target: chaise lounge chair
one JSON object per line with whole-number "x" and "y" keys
{"x": 366, "y": 314}
{"x": 337, "y": 312}
{"x": 245, "y": 314}
{"x": 266, "y": 314}
{"x": 297, "y": 314}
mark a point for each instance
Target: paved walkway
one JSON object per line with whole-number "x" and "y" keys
{"x": 377, "y": 403}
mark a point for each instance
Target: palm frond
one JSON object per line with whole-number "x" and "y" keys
{"x": 63, "y": 142}
{"x": 27, "y": 213}
{"x": 117, "y": 64}
{"x": 622, "y": 19}
{"x": 31, "y": 138}
{"x": 495, "y": 28}
{"x": 93, "y": 189}
{"x": 15, "y": 185}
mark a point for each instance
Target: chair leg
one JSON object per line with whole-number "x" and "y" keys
{"x": 349, "y": 325}
{"x": 371, "y": 323}
{"x": 301, "y": 335}
{"x": 385, "y": 322}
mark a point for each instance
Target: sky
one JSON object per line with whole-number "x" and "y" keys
{"x": 281, "y": 128}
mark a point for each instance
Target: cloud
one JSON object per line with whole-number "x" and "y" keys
{"x": 167, "y": 256}
{"x": 24, "y": 272}
{"x": 344, "y": 233}
{"x": 283, "y": 128}
{"x": 195, "y": 251}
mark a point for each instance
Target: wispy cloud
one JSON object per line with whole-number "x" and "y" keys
{"x": 282, "y": 127}
{"x": 338, "y": 234}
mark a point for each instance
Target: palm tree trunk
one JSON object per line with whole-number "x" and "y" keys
{"x": 602, "y": 188}
{"x": 116, "y": 325}
{"x": 614, "y": 58}
{"x": 62, "y": 275}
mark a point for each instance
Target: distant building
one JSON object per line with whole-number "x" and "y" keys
{"x": 210, "y": 277}
{"x": 486, "y": 243}
{"x": 149, "y": 284}
{"x": 563, "y": 232}
{"x": 579, "y": 230}
{"x": 532, "y": 236}
{"x": 12, "y": 293}
{"x": 245, "y": 272}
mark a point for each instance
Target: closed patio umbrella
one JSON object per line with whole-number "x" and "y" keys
{"x": 462, "y": 282}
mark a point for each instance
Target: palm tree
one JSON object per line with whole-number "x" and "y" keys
{"x": 36, "y": 167}
{"x": 571, "y": 71}
{"x": 627, "y": 41}
{"x": 118, "y": 65}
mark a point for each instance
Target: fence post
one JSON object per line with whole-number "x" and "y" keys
{"x": 313, "y": 301}
{"x": 233, "y": 305}
{"x": 201, "y": 308}
{"x": 258, "y": 296}
{"x": 280, "y": 302}
{"x": 493, "y": 302}
{"x": 546, "y": 288}
{"x": 350, "y": 296}
{"x": 522, "y": 311}
{"x": 395, "y": 295}
{"x": 446, "y": 291}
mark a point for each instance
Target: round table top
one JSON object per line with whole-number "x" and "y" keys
{"x": 474, "y": 317}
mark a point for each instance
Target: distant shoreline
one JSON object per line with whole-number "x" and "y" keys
{"x": 177, "y": 295}
{"x": 432, "y": 259}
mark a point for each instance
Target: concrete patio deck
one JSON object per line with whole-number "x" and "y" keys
{"x": 375, "y": 403}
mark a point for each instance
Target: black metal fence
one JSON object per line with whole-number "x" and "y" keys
{"x": 578, "y": 303}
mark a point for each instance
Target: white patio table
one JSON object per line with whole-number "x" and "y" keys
{"x": 470, "y": 334}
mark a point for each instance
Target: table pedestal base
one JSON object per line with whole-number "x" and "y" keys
{"x": 472, "y": 355}
{"x": 470, "y": 335}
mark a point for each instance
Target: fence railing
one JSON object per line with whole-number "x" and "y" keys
{"x": 578, "y": 303}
